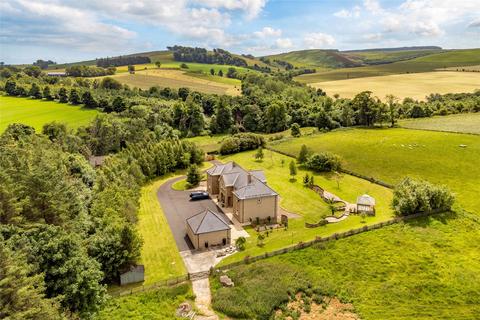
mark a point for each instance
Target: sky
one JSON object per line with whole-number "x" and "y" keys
{"x": 73, "y": 30}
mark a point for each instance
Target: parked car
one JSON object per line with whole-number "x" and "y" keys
{"x": 199, "y": 195}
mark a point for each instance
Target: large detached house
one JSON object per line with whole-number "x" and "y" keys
{"x": 246, "y": 192}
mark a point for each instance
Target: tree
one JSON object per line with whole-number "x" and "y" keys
{"x": 259, "y": 154}
{"x": 74, "y": 98}
{"x": 158, "y": 64}
{"x": 295, "y": 130}
{"x": 88, "y": 100}
{"x": 110, "y": 84}
{"x": 183, "y": 93}
{"x": 366, "y": 107}
{"x": 22, "y": 293}
{"x": 47, "y": 93}
{"x": 131, "y": 68}
{"x": 212, "y": 72}
{"x": 260, "y": 239}
{"x": 193, "y": 176}
{"x": 392, "y": 109}
{"x": 62, "y": 95}
{"x": 293, "y": 169}
{"x": 11, "y": 88}
{"x": 231, "y": 72}
{"x": 220, "y": 73}
{"x": 223, "y": 117}
{"x": 275, "y": 118}
{"x": 35, "y": 91}
{"x": 240, "y": 243}
{"x": 55, "y": 131}
{"x": 303, "y": 155}
{"x": 33, "y": 71}
{"x": 306, "y": 180}
{"x": 324, "y": 161}
{"x": 184, "y": 66}
{"x": 118, "y": 105}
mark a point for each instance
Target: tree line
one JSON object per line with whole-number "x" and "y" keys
{"x": 89, "y": 71}
{"x": 201, "y": 55}
{"x": 121, "y": 61}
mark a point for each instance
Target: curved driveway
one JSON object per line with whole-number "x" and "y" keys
{"x": 177, "y": 207}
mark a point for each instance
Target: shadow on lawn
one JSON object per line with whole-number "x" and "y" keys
{"x": 425, "y": 222}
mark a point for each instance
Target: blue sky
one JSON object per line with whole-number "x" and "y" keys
{"x": 71, "y": 30}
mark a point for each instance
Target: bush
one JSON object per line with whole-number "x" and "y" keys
{"x": 414, "y": 196}
{"x": 241, "y": 142}
{"x": 295, "y": 130}
{"x": 324, "y": 161}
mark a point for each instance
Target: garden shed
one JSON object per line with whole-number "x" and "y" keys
{"x": 133, "y": 274}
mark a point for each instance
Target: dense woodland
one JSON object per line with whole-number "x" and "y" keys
{"x": 122, "y": 61}
{"x": 201, "y": 55}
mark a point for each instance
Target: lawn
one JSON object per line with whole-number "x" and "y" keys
{"x": 159, "y": 304}
{"x": 391, "y": 154}
{"x": 465, "y": 123}
{"x": 159, "y": 252}
{"x": 296, "y": 198}
{"x": 36, "y": 113}
{"x": 424, "y": 269}
{"x": 416, "y": 86}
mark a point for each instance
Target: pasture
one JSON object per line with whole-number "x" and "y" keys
{"x": 305, "y": 203}
{"x": 464, "y": 123}
{"x": 146, "y": 79}
{"x": 36, "y": 113}
{"x": 416, "y": 86}
{"x": 423, "y": 269}
{"x": 391, "y": 154}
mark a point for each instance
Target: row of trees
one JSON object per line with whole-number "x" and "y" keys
{"x": 89, "y": 71}
{"x": 121, "y": 61}
{"x": 201, "y": 55}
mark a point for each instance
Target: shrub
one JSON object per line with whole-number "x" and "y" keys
{"x": 240, "y": 243}
{"x": 324, "y": 161}
{"x": 295, "y": 130}
{"x": 414, "y": 196}
{"x": 193, "y": 175}
{"x": 241, "y": 142}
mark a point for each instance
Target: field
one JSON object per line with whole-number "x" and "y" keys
{"x": 36, "y": 113}
{"x": 315, "y": 58}
{"x": 465, "y": 123}
{"x": 391, "y": 154}
{"x": 159, "y": 304}
{"x": 425, "y": 269}
{"x": 416, "y": 86}
{"x": 175, "y": 79}
{"x": 388, "y": 56}
{"x": 296, "y": 198}
{"x": 453, "y": 58}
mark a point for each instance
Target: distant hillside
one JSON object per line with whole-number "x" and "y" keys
{"x": 314, "y": 58}
{"x": 389, "y": 55}
{"x": 398, "y": 49}
{"x": 432, "y": 61}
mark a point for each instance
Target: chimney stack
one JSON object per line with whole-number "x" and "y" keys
{"x": 249, "y": 177}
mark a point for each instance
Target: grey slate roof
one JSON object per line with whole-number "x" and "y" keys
{"x": 207, "y": 221}
{"x": 235, "y": 176}
{"x": 366, "y": 200}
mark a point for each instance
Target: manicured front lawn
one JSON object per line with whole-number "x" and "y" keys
{"x": 296, "y": 198}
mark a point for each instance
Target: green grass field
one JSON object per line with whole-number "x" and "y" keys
{"x": 465, "y": 123}
{"x": 296, "y": 198}
{"x": 453, "y": 58}
{"x": 388, "y": 56}
{"x": 159, "y": 304}
{"x": 391, "y": 154}
{"x": 424, "y": 269}
{"x": 36, "y": 113}
{"x": 416, "y": 86}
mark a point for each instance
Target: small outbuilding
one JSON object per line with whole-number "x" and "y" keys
{"x": 133, "y": 274}
{"x": 207, "y": 229}
{"x": 366, "y": 204}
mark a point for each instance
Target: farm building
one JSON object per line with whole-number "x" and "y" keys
{"x": 207, "y": 229}
{"x": 246, "y": 192}
{"x": 366, "y": 204}
{"x": 133, "y": 275}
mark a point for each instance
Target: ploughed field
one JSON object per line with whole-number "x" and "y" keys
{"x": 36, "y": 113}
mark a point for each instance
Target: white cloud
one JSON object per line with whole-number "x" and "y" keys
{"x": 475, "y": 23}
{"x": 318, "y": 40}
{"x": 283, "y": 43}
{"x": 355, "y": 13}
{"x": 373, "y": 37}
{"x": 95, "y": 25}
{"x": 267, "y": 32}
{"x": 373, "y": 6}
{"x": 252, "y": 8}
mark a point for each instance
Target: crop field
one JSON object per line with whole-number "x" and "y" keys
{"x": 304, "y": 202}
{"x": 423, "y": 269}
{"x": 416, "y": 86}
{"x": 391, "y": 154}
{"x": 454, "y": 58}
{"x": 36, "y": 113}
{"x": 464, "y": 123}
{"x": 174, "y": 79}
